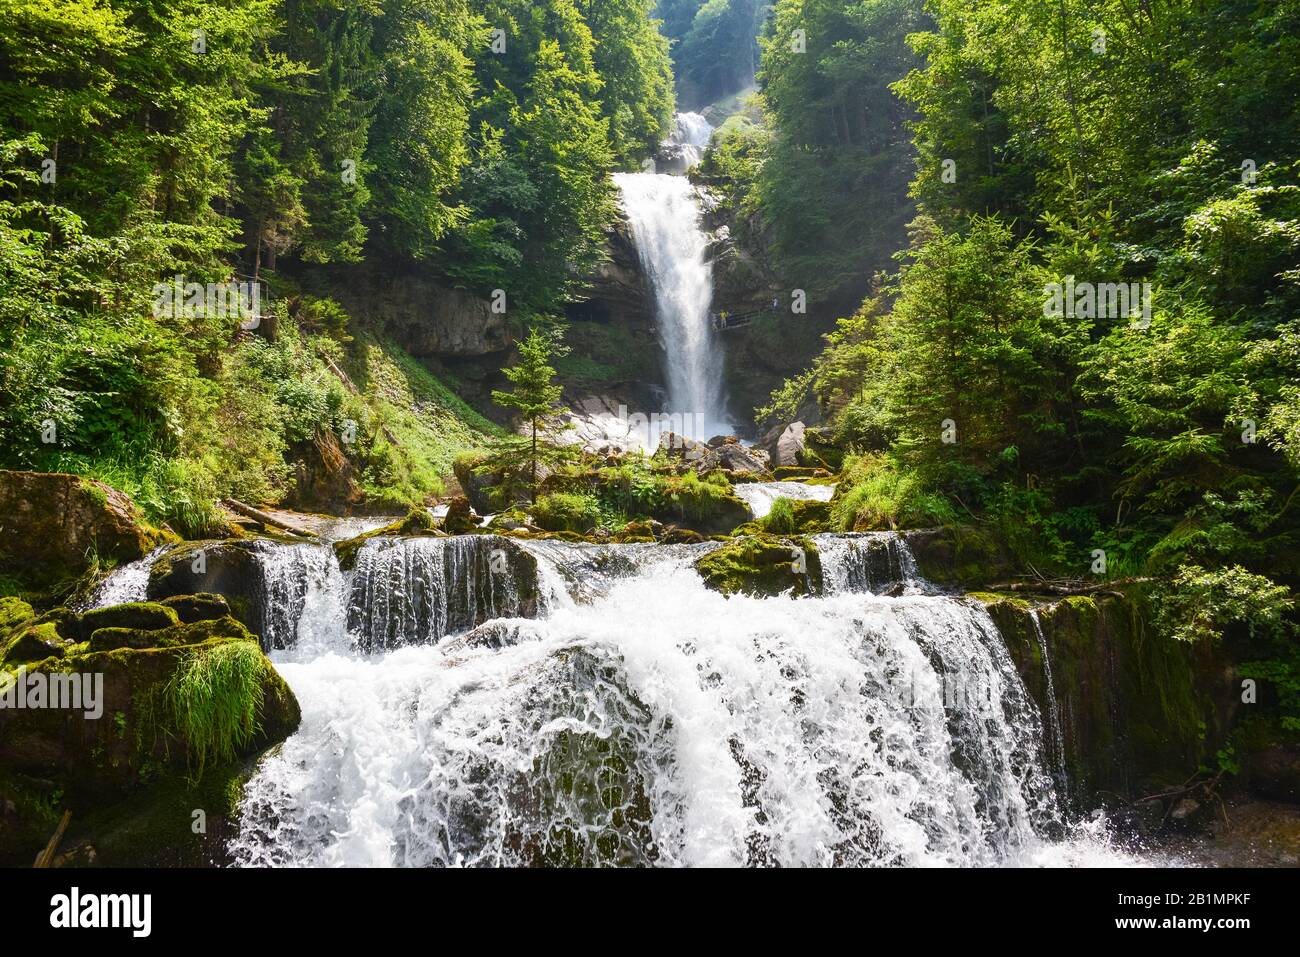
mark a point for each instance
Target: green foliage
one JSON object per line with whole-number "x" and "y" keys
{"x": 698, "y": 499}
{"x": 874, "y": 493}
{"x": 566, "y": 512}
{"x": 1202, "y": 604}
{"x": 715, "y": 48}
{"x": 535, "y": 395}
{"x": 150, "y": 141}
{"x": 838, "y": 133}
{"x": 212, "y": 701}
{"x": 780, "y": 518}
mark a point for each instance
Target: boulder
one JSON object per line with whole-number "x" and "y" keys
{"x": 229, "y": 569}
{"x": 52, "y": 523}
{"x": 790, "y": 445}
{"x": 1274, "y": 773}
{"x": 125, "y": 715}
{"x": 35, "y": 644}
{"x": 763, "y": 565}
{"x": 140, "y": 615}
{"x": 201, "y": 607}
{"x": 461, "y": 517}
{"x": 475, "y": 478}
{"x": 735, "y": 457}
{"x": 784, "y": 444}
{"x": 725, "y": 452}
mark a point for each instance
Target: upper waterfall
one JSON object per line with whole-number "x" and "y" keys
{"x": 665, "y": 221}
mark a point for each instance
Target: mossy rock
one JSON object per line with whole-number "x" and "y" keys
{"x": 796, "y": 517}
{"x": 203, "y": 694}
{"x": 820, "y": 450}
{"x": 54, "y": 521}
{"x": 1138, "y": 710}
{"x": 35, "y": 643}
{"x": 788, "y": 473}
{"x": 226, "y": 568}
{"x": 153, "y": 826}
{"x": 718, "y": 513}
{"x": 65, "y": 620}
{"x": 201, "y": 607}
{"x": 763, "y": 565}
{"x": 461, "y": 519}
{"x": 136, "y": 615}
{"x": 14, "y": 612}
{"x": 112, "y": 637}
{"x": 962, "y": 556}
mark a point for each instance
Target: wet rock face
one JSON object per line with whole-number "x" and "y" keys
{"x": 228, "y": 569}
{"x": 1137, "y": 713}
{"x": 52, "y": 522}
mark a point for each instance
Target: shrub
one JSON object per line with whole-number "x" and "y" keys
{"x": 780, "y": 520}
{"x": 566, "y": 512}
{"x": 879, "y": 496}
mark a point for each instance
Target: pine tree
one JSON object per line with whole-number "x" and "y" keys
{"x": 535, "y": 394}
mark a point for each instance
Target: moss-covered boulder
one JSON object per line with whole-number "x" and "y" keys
{"x": 785, "y": 473}
{"x": 14, "y": 612}
{"x": 226, "y": 568}
{"x": 187, "y": 697}
{"x": 960, "y": 556}
{"x": 793, "y": 517}
{"x": 763, "y": 565}
{"x": 820, "y": 450}
{"x": 461, "y": 518}
{"x": 200, "y": 607}
{"x": 55, "y": 525}
{"x": 35, "y": 643}
{"x": 708, "y": 506}
{"x": 137, "y": 615}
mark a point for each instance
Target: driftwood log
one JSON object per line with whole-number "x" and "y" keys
{"x": 1067, "y": 587}
{"x": 258, "y": 515}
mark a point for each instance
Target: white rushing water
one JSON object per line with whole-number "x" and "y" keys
{"x": 685, "y": 144}
{"x": 124, "y": 584}
{"x": 759, "y": 496}
{"x": 645, "y": 719}
{"x": 665, "y": 220}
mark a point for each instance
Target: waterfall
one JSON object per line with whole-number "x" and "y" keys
{"x": 1056, "y": 754}
{"x": 412, "y": 590}
{"x": 665, "y": 219}
{"x": 124, "y": 584}
{"x": 685, "y": 144}
{"x": 644, "y": 719}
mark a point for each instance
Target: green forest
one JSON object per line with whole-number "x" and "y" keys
{"x": 1049, "y": 251}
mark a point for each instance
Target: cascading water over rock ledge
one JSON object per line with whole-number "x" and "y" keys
{"x": 665, "y": 220}
{"x": 645, "y": 719}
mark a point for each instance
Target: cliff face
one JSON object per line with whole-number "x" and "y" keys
{"x": 425, "y": 317}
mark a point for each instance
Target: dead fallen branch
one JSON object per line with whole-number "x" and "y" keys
{"x": 1061, "y": 587}
{"x": 258, "y": 515}
{"x": 46, "y": 857}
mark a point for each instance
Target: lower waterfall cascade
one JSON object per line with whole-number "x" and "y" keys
{"x": 479, "y": 700}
